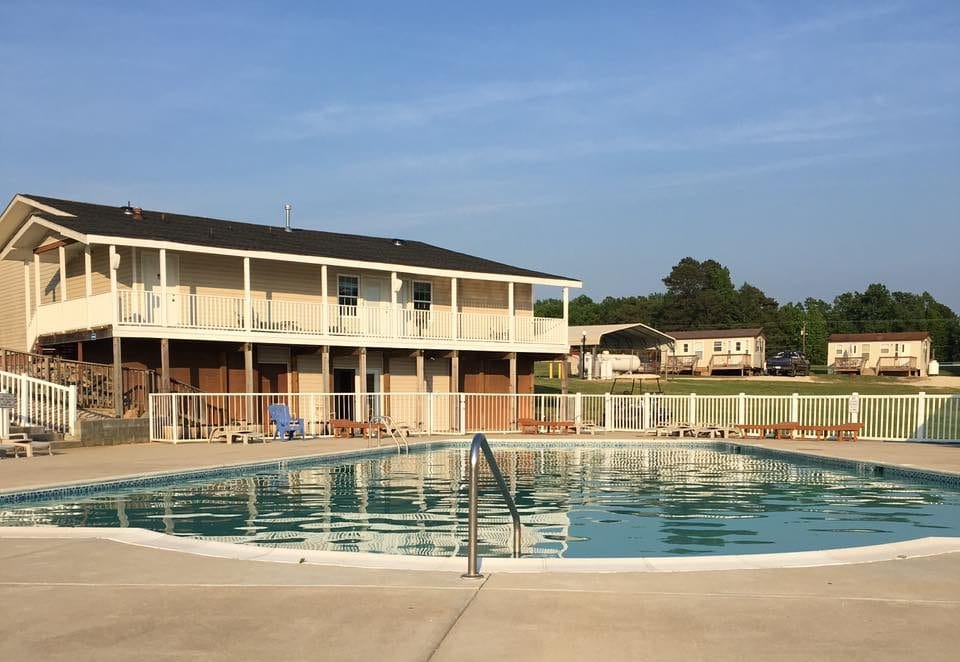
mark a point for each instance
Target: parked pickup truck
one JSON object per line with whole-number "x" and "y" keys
{"x": 788, "y": 363}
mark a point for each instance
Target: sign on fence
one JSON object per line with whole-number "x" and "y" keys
{"x": 8, "y": 400}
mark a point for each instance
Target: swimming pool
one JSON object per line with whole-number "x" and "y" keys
{"x": 608, "y": 499}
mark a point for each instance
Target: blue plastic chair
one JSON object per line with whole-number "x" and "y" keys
{"x": 285, "y": 424}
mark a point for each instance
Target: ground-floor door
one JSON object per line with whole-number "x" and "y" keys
{"x": 344, "y": 386}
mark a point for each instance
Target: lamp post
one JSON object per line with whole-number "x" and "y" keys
{"x": 583, "y": 354}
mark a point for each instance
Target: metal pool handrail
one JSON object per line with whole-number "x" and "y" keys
{"x": 480, "y": 443}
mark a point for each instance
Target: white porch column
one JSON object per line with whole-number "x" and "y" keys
{"x": 247, "y": 300}
{"x": 513, "y": 313}
{"x": 26, "y": 300}
{"x": 87, "y": 271}
{"x": 325, "y": 309}
{"x": 454, "y": 314}
{"x": 62, "y": 254}
{"x": 396, "y": 328}
{"x": 566, "y": 305}
{"x": 114, "y": 263}
{"x": 37, "y": 292}
{"x": 163, "y": 287}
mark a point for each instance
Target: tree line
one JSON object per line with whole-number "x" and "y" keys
{"x": 702, "y": 295}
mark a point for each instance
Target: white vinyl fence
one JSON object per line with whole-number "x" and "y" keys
{"x": 195, "y": 416}
{"x": 39, "y": 403}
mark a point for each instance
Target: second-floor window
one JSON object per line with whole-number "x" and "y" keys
{"x": 422, "y": 295}
{"x": 717, "y": 345}
{"x": 348, "y": 290}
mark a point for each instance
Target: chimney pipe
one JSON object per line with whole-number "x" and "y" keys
{"x": 287, "y": 208}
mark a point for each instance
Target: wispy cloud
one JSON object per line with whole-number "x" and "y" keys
{"x": 806, "y": 126}
{"x": 346, "y": 118}
{"x": 425, "y": 217}
{"x": 840, "y": 18}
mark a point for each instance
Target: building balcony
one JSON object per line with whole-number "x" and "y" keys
{"x": 194, "y": 316}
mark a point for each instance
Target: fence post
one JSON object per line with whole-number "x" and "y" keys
{"x": 429, "y": 414}
{"x": 463, "y": 412}
{"x": 742, "y": 409}
{"x": 692, "y": 410}
{"x": 608, "y": 411}
{"x": 150, "y": 417}
{"x": 23, "y": 400}
{"x": 853, "y": 407}
{"x": 578, "y": 407}
{"x": 72, "y": 409}
{"x": 795, "y": 408}
{"x": 921, "y": 430}
{"x": 647, "y": 411}
{"x": 175, "y": 415}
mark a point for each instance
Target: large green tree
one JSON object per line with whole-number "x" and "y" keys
{"x": 702, "y": 294}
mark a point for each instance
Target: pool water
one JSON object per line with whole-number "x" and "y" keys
{"x": 574, "y": 501}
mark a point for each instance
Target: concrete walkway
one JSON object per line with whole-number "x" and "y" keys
{"x": 94, "y": 600}
{"x": 86, "y": 599}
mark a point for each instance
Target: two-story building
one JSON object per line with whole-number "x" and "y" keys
{"x": 716, "y": 351}
{"x": 905, "y": 353}
{"x": 231, "y": 307}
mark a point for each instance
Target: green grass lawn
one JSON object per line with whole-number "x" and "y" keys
{"x": 822, "y": 385}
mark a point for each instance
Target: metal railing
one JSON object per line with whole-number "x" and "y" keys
{"x": 397, "y": 434}
{"x": 480, "y": 444}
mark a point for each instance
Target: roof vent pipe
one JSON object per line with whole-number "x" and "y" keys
{"x": 287, "y": 208}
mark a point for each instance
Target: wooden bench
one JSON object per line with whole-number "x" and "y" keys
{"x": 341, "y": 427}
{"x": 783, "y": 430}
{"x": 533, "y": 426}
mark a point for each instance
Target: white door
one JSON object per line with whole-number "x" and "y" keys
{"x": 150, "y": 276}
{"x": 376, "y": 305}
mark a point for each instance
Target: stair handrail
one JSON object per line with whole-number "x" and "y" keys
{"x": 479, "y": 445}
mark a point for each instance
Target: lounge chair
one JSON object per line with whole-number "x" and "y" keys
{"x": 285, "y": 424}
{"x": 20, "y": 442}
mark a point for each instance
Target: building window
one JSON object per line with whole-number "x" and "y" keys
{"x": 686, "y": 348}
{"x": 717, "y": 346}
{"x": 348, "y": 291}
{"x": 422, "y": 295}
{"x": 738, "y": 346}
{"x": 884, "y": 349}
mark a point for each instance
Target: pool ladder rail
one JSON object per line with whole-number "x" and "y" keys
{"x": 480, "y": 444}
{"x": 398, "y": 435}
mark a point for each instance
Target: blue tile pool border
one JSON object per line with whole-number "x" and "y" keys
{"x": 17, "y": 498}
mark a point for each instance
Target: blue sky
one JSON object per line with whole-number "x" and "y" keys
{"x": 811, "y": 147}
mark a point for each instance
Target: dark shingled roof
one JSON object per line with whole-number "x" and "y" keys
{"x": 879, "y": 337}
{"x": 716, "y": 333}
{"x": 215, "y": 233}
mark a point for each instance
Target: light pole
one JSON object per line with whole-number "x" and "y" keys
{"x": 583, "y": 354}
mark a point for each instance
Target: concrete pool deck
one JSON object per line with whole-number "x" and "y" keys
{"x": 88, "y": 599}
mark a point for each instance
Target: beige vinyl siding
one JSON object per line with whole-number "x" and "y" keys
{"x": 283, "y": 281}
{"x": 310, "y": 373}
{"x": 12, "y": 315}
{"x": 483, "y": 296}
{"x": 211, "y": 275}
{"x": 437, "y": 375}
{"x": 403, "y": 374}
{"x": 100, "y": 266}
{"x": 523, "y": 299}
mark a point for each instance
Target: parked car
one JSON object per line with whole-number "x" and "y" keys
{"x": 788, "y": 363}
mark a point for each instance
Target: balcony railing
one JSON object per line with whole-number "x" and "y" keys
{"x": 306, "y": 318}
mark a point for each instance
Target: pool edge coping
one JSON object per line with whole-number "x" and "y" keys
{"x": 895, "y": 551}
